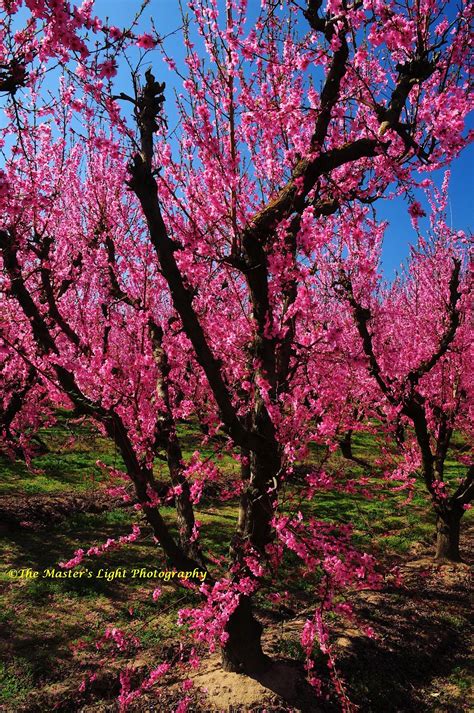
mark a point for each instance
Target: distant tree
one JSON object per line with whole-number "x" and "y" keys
{"x": 417, "y": 342}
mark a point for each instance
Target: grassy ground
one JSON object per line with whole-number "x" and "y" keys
{"x": 51, "y": 627}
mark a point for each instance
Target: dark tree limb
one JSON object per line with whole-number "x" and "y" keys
{"x": 143, "y": 183}
{"x": 362, "y": 317}
{"x": 17, "y": 401}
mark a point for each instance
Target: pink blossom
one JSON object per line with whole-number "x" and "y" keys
{"x": 115, "y": 33}
{"x": 108, "y": 69}
{"x": 145, "y": 41}
{"x": 416, "y": 211}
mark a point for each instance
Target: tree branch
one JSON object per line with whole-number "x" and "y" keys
{"x": 145, "y": 188}
{"x": 362, "y": 317}
{"x": 453, "y": 322}
{"x": 140, "y": 476}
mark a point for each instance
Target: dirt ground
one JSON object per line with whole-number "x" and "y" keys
{"x": 37, "y": 511}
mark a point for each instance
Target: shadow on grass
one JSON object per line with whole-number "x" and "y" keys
{"x": 419, "y": 639}
{"x": 391, "y": 681}
{"x": 288, "y": 680}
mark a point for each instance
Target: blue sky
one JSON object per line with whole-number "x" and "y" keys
{"x": 399, "y": 235}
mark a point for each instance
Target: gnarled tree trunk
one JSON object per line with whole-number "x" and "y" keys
{"x": 243, "y": 651}
{"x": 448, "y": 525}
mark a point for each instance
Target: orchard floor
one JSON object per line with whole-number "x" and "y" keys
{"x": 419, "y": 660}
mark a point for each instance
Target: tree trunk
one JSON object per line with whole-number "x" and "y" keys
{"x": 235, "y": 548}
{"x": 345, "y": 444}
{"x": 243, "y": 652}
{"x": 399, "y": 432}
{"x": 183, "y": 504}
{"x": 167, "y": 438}
{"x": 447, "y": 536}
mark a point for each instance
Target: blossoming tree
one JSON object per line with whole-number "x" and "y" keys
{"x": 417, "y": 345}
{"x": 197, "y": 258}
{"x": 346, "y": 145}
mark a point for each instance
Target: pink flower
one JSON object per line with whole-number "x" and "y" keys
{"x": 115, "y": 33}
{"x": 145, "y": 41}
{"x": 108, "y": 69}
{"x": 155, "y": 675}
{"x": 195, "y": 532}
{"x": 76, "y": 560}
{"x": 183, "y": 705}
{"x": 4, "y": 185}
{"x": 416, "y": 211}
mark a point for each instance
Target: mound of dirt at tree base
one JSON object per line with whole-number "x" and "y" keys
{"x": 282, "y": 688}
{"x": 41, "y": 510}
{"x": 422, "y": 637}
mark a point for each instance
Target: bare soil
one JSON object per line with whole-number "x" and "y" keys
{"x": 38, "y": 511}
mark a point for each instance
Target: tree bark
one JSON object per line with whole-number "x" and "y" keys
{"x": 184, "y": 507}
{"x": 243, "y": 651}
{"x": 448, "y": 525}
{"x": 166, "y": 437}
{"x": 345, "y": 444}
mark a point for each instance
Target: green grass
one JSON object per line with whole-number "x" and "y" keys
{"x": 16, "y": 681}
{"x": 462, "y": 678}
{"x": 69, "y": 465}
